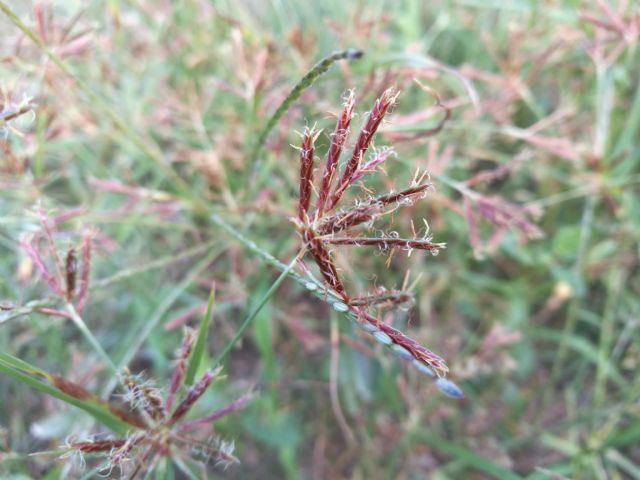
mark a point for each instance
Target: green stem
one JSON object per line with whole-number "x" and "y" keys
{"x": 574, "y": 305}
{"x": 40, "y": 380}
{"x": 305, "y": 82}
{"x": 266, "y": 256}
{"x": 257, "y": 309}
{"x": 77, "y": 319}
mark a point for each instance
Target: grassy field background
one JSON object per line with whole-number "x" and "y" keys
{"x": 142, "y": 120}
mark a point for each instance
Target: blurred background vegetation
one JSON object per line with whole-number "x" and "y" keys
{"x": 142, "y": 109}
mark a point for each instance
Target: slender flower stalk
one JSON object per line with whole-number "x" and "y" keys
{"x": 212, "y": 417}
{"x": 305, "y": 82}
{"x": 49, "y": 278}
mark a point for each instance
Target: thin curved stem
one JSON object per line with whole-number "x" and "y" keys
{"x": 77, "y": 319}
{"x": 305, "y": 82}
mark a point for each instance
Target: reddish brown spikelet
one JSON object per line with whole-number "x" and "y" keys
{"x": 393, "y": 298}
{"x": 123, "y": 452}
{"x": 380, "y": 108}
{"x": 70, "y": 388}
{"x": 403, "y": 194}
{"x": 70, "y": 270}
{"x": 84, "y": 274}
{"x": 153, "y": 402}
{"x": 177, "y": 376}
{"x": 387, "y": 243}
{"x": 345, "y": 220}
{"x": 38, "y": 10}
{"x": 194, "y": 393}
{"x": 368, "y": 210}
{"x": 418, "y": 351}
{"x": 98, "y": 445}
{"x": 306, "y": 172}
{"x": 338, "y": 138}
{"x": 326, "y": 265}
{"x": 128, "y": 417}
{"x": 143, "y": 396}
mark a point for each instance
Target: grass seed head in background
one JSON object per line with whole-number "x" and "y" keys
{"x": 157, "y": 428}
{"x": 325, "y": 225}
{"x": 68, "y": 277}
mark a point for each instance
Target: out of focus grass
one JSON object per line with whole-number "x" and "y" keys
{"x": 540, "y": 330}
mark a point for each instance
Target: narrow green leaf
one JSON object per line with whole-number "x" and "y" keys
{"x": 27, "y": 374}
{"x": 201, "y": 342}
{"x": 624, "y": 463}
{"x": 168, "y": 300}
{"x": 470, "y": 458}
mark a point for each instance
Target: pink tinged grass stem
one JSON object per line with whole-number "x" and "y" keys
{"x": 54, "y": 312}
{"x": 48, "y": 233}
{"x": 338, "y": 138}
{"x": 194, "y": 393}
{"x": 36, "y": 258}
{"x": 68, "y": 215}
{"x": 185, "y": 317}
{"x": 474, "y": 236}
{"x": 379, "y": 157}
{"x": 226, "y": 410}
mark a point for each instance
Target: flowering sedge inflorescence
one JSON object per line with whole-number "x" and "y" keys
{"x": 158, "y": 425}
{"x": 68, "y": 277}
{"x": 325, "y": 225}
{"x": 11, "y": 110}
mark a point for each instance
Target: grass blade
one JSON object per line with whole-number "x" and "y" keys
{"x": 40, "y": 380}
{"x": 469, "y": 457}
{"x": 201, "y": 342}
